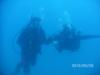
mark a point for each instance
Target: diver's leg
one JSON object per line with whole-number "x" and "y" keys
{"x": 26, "y": 64}
{"x": 26, "y": 69}
{"x": 34, "y": 60}
{"x": 18, "y": 69}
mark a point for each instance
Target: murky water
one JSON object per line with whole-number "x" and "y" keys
{"x": 84, "y": 15}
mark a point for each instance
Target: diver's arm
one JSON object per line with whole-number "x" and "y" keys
{"x": 44, "y": 38}
{"x": 51, "y": 39}
{"x": 86, "y": 37}
{"x": 19, "y": 39}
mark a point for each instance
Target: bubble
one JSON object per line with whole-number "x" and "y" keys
{"x": 60, "y": 23}
{"x": 42, "y": 12}
{"x": 66, "y": 13}
{"x": 67, "y": 17}
{"x": 55, "y": 42}
{"x": 42, "y": 9}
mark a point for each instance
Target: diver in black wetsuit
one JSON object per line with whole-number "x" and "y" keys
{"x": 30, "y": 41}
{"x": 69, "y": 39}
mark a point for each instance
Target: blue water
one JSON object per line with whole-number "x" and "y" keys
{"x": 84, "y": 15}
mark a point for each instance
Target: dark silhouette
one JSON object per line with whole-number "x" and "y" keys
{"x": 1, "y": 38}
{"x": 1, "y": 72}
{"x": 69, "y": 39}
{"x": 30, "y": 41}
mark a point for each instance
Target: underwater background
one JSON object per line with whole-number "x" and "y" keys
{"x": 84, "y": 15}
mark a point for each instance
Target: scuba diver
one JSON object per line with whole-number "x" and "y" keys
{"x": 69, "y": 39}
{"x": 30, "y": 41}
